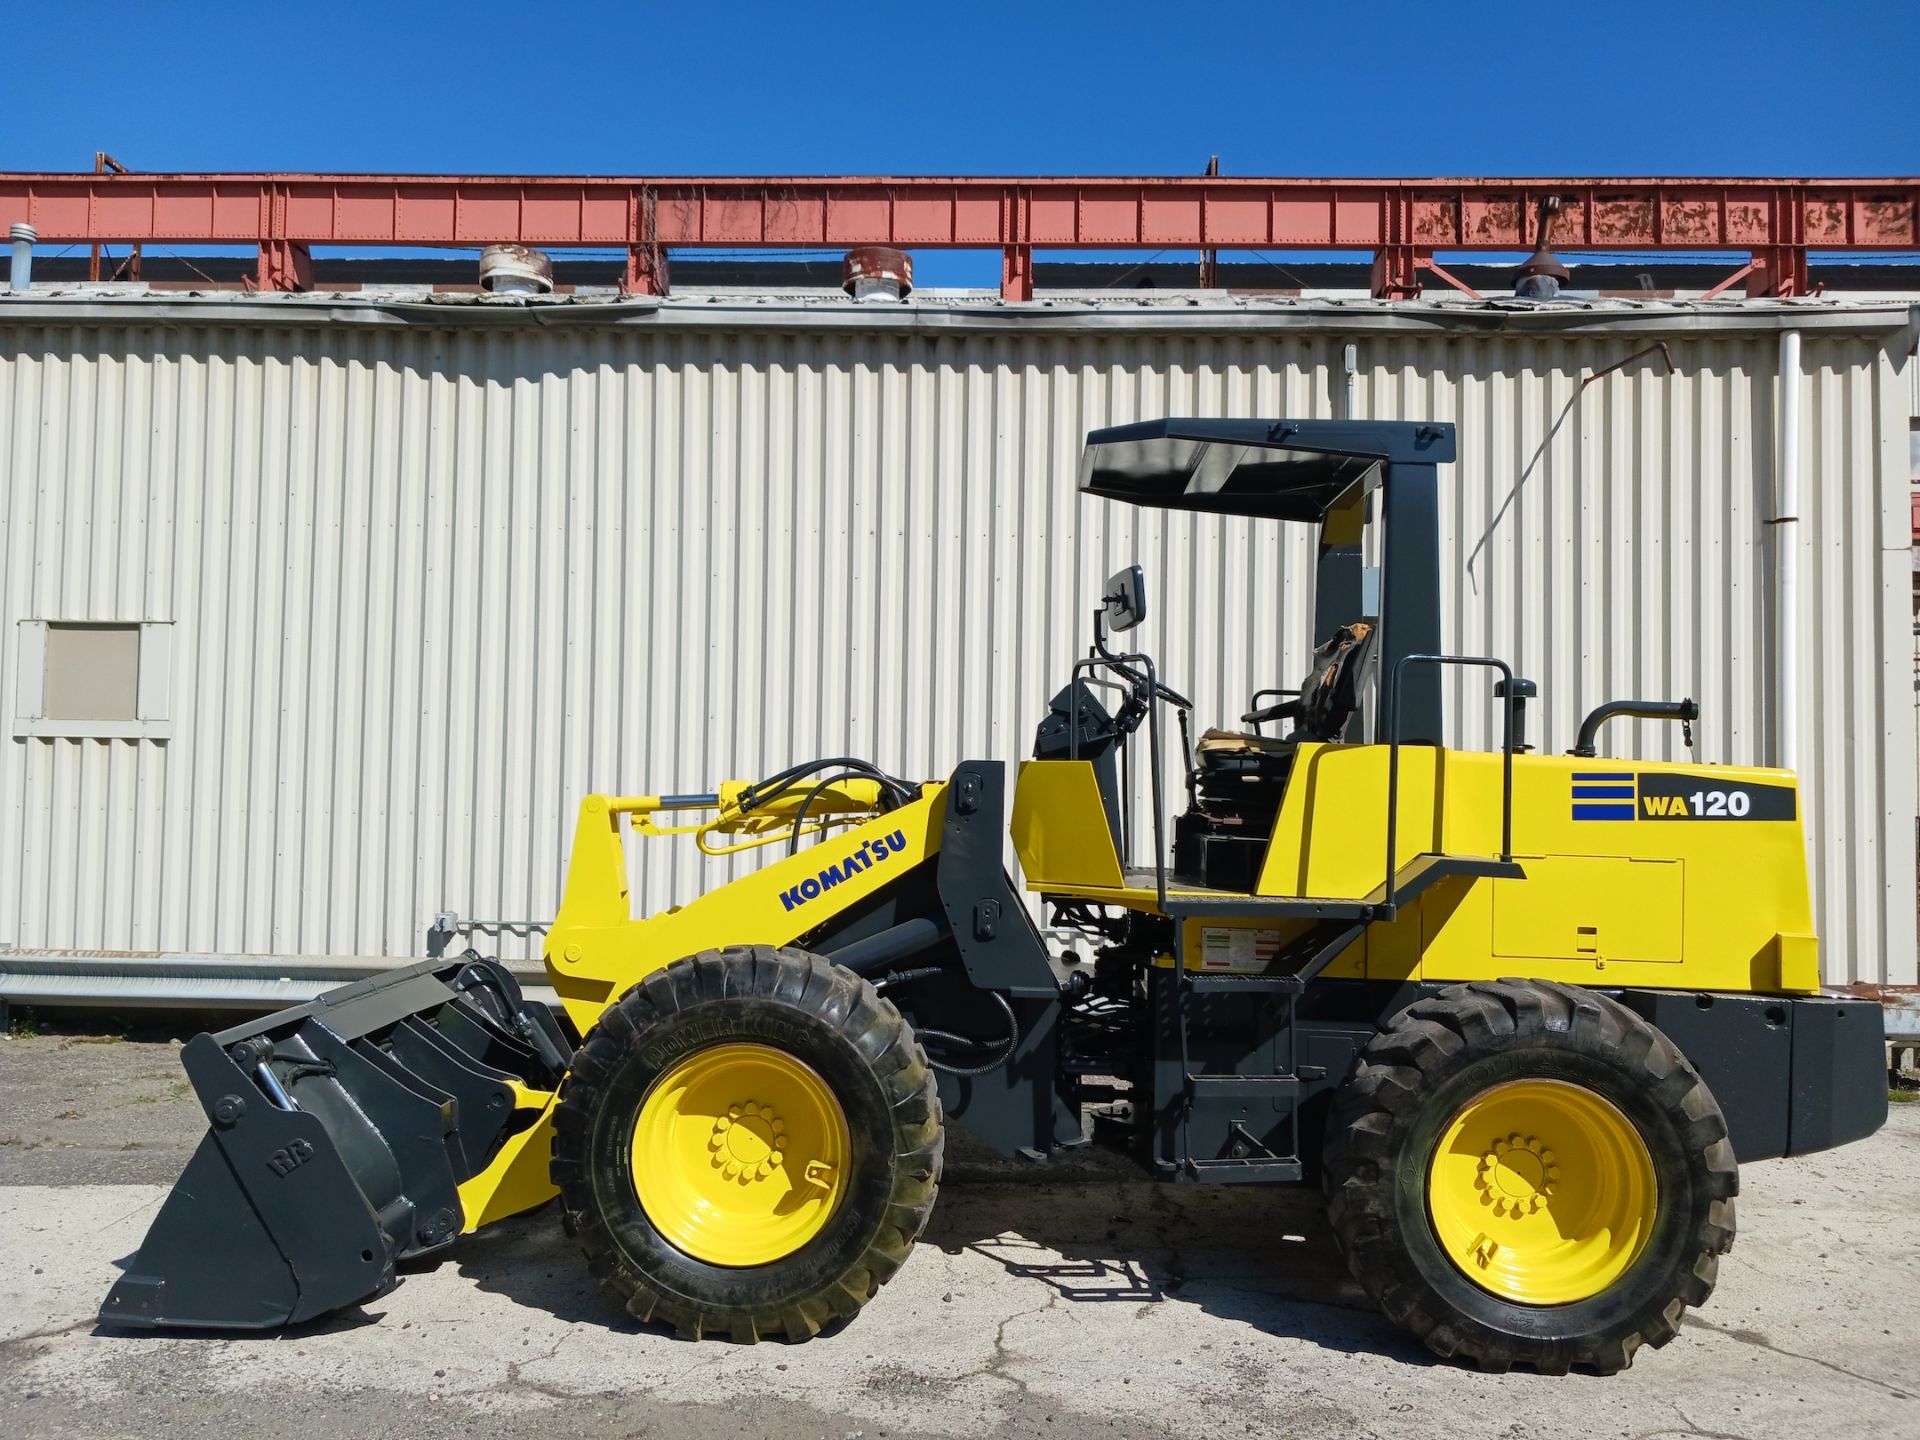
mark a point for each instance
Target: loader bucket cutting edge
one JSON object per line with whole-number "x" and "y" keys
{"x": 376, "y": 1123}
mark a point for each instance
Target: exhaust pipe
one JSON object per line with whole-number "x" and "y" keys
{"x": 21, "y": 275}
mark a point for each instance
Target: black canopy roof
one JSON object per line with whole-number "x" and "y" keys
{"x": 1279, "y": 469}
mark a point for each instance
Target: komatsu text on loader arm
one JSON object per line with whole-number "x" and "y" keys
{"x": 1519, "y": 1014}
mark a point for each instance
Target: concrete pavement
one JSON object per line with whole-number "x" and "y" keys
{"x": 1088, "y": 1303}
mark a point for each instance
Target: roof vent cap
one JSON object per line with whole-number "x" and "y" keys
{"x": 1542, "y": 275}
{"x": 515, "y": 270}
{"x": 877, "y": 273}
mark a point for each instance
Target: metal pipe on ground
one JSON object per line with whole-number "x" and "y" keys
{"x": 63, "y": 979}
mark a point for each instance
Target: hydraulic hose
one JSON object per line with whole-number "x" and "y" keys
{"x": 775, "y": 785}
{"x": 1006, "y": 1044}
{"x": 806, "y": 804}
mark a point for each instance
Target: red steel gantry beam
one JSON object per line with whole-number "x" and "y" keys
{"x": 1401, "y": 222}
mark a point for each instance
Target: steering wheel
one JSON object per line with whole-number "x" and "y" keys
{"x": 1159, "y": 691}
{"x": 1172, "y": 697}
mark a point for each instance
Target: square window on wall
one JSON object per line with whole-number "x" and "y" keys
{"x": 94, "y": 680}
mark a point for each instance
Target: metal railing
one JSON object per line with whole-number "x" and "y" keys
{"x": 1107, "y": 660}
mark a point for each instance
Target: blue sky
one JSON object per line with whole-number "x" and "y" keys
{"x": 1118, "y": 88}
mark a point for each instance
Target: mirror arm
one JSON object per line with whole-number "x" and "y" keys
{"x": 1120, "y": 667}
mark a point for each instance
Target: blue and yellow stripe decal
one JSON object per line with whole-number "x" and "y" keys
{"x": 1603, "y": 795}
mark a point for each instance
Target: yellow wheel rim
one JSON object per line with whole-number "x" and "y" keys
{"x": 740, "y": 1155}
{"x": 1542, "y": 1192}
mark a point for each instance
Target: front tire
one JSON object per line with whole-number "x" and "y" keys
{"x": 748, "y": 1143}
{"x": 1527, "y": 1173}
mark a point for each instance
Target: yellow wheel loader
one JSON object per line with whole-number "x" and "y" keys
{"x": 1519, "y": 1014}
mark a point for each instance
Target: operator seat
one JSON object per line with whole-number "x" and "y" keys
{"x": 1239, "y": 777}
{"x": 1327, "y": 699}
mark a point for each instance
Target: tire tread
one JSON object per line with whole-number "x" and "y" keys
{"x": 827, "y": 992}
{"x": 1401, "y": 1067}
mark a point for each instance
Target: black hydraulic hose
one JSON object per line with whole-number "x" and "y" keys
{"x": 896, "y": 791}
{"x": 1685, "y": 711}
{"x": 904, "y": 976}
{"x": 806, "y": 804}
{"x": 781, "y": 780}
{"x": 1007, "y": 1044}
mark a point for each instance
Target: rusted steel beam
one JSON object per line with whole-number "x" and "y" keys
{"x": 1402, "y": 221}
{"x": 1396, "y": 271}
{"x": 646, "y": 271}
{"x": 1454, "y": 280}
{"x": 283, "y": 265}
{"x": 1722, "y": 286}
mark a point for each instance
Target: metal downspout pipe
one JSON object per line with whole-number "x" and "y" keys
{"x": 1786, "y": 561}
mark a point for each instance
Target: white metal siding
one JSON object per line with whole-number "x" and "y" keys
{"x": 428, "y": 587}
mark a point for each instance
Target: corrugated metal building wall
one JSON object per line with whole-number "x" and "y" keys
{"x": 431, "y": 574}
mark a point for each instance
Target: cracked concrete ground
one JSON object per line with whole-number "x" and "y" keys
{"x": 1083, "y": 1302}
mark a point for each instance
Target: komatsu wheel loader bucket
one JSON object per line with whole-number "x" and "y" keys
{"x": 341, "y": 1135}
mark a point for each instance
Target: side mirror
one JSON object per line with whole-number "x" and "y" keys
{"x": 1126, "y": 599}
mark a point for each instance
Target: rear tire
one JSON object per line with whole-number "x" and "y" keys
{"x": 1629, "y": 1238}
{"x": 853, "y": 1076}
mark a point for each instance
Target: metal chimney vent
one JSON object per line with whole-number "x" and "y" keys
{"x": 515, "y": 270}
